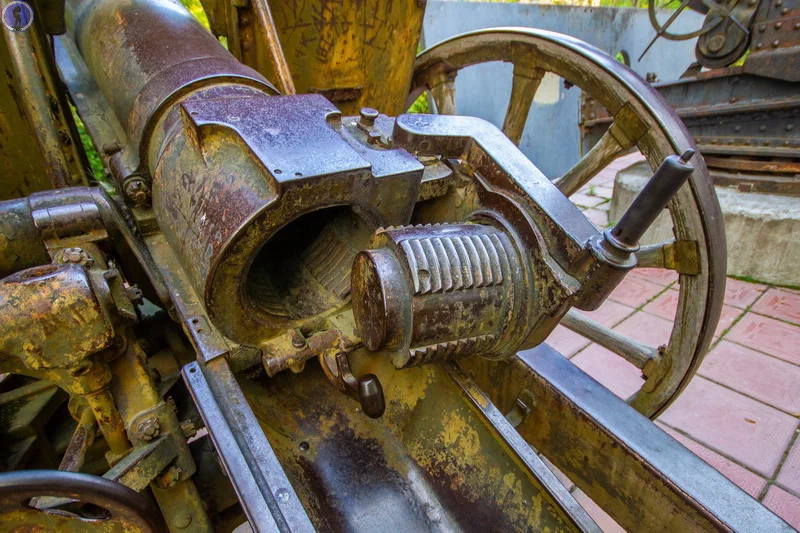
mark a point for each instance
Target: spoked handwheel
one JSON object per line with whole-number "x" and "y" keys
{"x": 641, "y": 119}
{"x": 90, "y": 503}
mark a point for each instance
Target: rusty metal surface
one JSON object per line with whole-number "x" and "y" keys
{"x": 431, "y": 463}
{"x": 241, "y": 214}
{"x": 267, "y": 497}
{"x": 620, "y": 459}
{"x": 34, "y": 116}
{"x": 775, "y": 41}
{"x": 147, "y": 76}
{"x": 745, "y": 116}
{"x": 357, "y": 54}
{"x": 218, "y": 221}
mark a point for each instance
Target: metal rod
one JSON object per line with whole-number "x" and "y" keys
{"x": 634, "y": 352}
{"x": 81, "y": 442}
{"x": 35, "y": 100}
{"x": 110, "y": 422}
{"x": 522, "y": 452}
{"x": 265, "y": 493}
{"x": 285, "y": 82}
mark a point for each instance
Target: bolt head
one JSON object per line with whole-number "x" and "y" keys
{"x": 138, "y": 191}
{"x": 148, "y": 429}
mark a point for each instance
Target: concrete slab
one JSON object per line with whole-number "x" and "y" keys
{"x": 763, "y": 231}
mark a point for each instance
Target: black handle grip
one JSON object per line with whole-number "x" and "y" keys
{"x": 370, "y": 396}
{"x": 653, "y": 198}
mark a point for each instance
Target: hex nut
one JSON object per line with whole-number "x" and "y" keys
{"x": 148, "y": 429}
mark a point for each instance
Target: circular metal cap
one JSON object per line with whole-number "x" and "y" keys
{"x": 381, "y": 300}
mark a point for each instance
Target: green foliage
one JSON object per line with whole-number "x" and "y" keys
{"x": 196, "y": 9}
{"x": 96, "y": 164}
{"x": 420, "y": 105}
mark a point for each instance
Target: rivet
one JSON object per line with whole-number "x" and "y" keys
{"x": 784, "y": 10}
{"x": 779, "y": 3}
{"x": 182, "y": 521}
{"x": 778, "y": 25}
{"x": 789, "y": 127}
{"x": 737, "y": 128}
{"x": 762, "y": 128}
{"x": 759, "y": 45}
{"x": 762, "y": 28}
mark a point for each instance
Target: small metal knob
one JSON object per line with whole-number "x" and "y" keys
{"x": 368, "y": 116}
{"x": 370, "y": 396}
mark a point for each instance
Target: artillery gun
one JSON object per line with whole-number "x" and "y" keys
{"x": 294, "y": 305}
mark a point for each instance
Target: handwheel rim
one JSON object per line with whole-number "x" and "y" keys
{"x": 695, "y": 211}
{"x": 130, "y": 511}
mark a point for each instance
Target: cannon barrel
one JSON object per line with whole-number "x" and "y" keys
{"x": 145, "y": 55}
{"x": 228, "y": 165}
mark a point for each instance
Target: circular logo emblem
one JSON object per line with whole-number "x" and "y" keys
{"x": 17, "y": 16}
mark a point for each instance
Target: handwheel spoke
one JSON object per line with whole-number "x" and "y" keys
{"x": 443, "y": 90}
{"x": 604, "y": 152}
{"x": 680, "y": 256}
{"x": 523, "y": 88}
{"x": 632, "y": 351}
{"x": 623, "y": 134}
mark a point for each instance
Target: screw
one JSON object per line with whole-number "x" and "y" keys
{"x": 170, "y": 478}
{"x": 282, "y": 495}
{"x": 298, "y": 341}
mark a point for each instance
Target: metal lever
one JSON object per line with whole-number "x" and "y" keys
{"x": 366, "y": 390}
{"x": 653, "y": 198}
{"x": 615, "y": 248}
